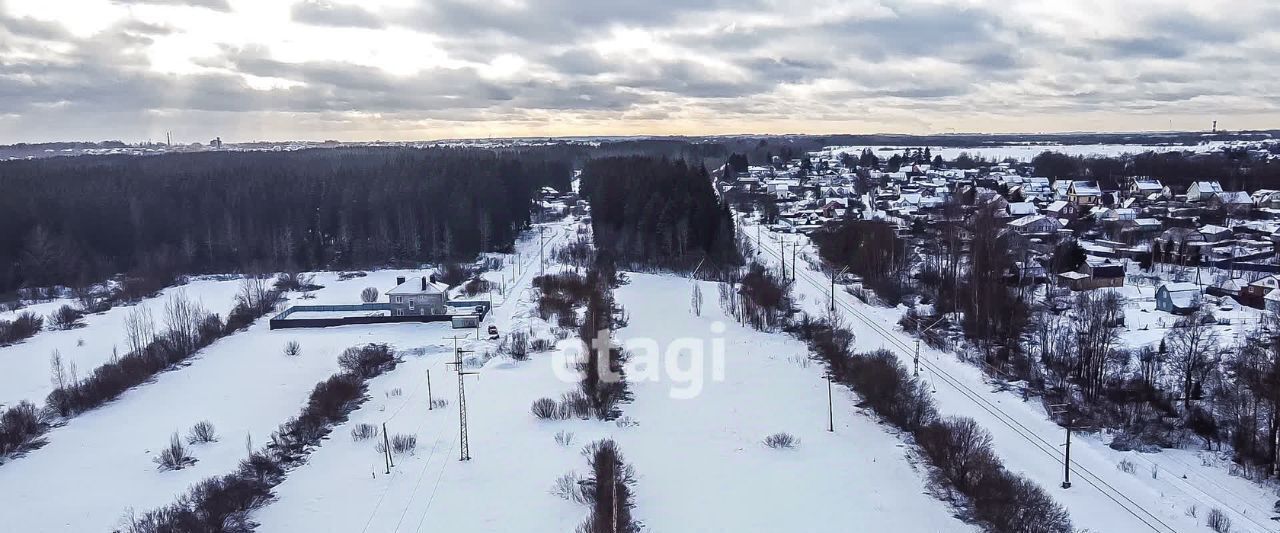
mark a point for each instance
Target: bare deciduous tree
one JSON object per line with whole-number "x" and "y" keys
{"x": 182, "y": 321}
{"x": 1097, "y": 315}
{"x": 139, "y": 328}
{"x": 1192, "y": 345}
{"x": 369, "y": 295}
{"x": 255, "y": 293}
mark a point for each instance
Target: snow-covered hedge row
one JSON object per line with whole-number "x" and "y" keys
{"x": 600, "y": 392}
{"x": 21, "y": 328}
{"x": 189, "y": 328}
{"x": 964, "y": 466}
{"x": 223, "y": 503}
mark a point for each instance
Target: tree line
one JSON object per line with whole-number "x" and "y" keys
{"x": 78, "y": 220}
{"x": 658, "y": 212}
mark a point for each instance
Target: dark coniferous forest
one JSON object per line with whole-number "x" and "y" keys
{"x": 658, "y": 212}
{"x": 78, "y": 220}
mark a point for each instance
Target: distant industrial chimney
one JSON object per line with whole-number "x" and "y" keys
{"x": 1215, "y": 126}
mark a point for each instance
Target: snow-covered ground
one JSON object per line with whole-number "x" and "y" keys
{"x": 41, "y": 308}
{"x": 1103, "y": 497}
{"x": 1026, "y": 152}
{"x": 1145, "y": 325}
{"x": 25, "y": 369}
{"x": 244, "y": 384}
{"x": 700, "y": 461}
{"x": 100, "y": 464}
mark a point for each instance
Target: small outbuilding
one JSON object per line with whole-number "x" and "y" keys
{"x": 1178, "y": 298}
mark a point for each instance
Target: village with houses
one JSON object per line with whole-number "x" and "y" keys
{"x": 1178, "y": 248}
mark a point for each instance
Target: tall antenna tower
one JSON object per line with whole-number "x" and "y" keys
{"x": 464, "y": 444}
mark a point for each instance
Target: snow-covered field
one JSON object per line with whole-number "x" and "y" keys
{"x": 699, "y": 458}
{"x": 1029, "y": 151}
{"x": 1103, "y": 497}
{"x": 24, "y": 367}
{"x": 700, "y": 461}
{"x": 102, "y": 461}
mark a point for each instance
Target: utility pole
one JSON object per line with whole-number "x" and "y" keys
{"x": 782, "y": 243}
{"x": 386, "y": 448}
{"x": 794, "y": 247}
{"x": 541, "y": 245}
{"x": 1066, "y": 463}
{"x": 464, "y": 445}
{"x": 831, "y": 417}
{"x": 430, "y": 399}
{"x": 916, "y": 359}
{"x": 1061, "y": 409}
{"x": 833, "y": 286}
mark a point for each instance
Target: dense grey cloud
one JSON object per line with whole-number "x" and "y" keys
{"x": 631, "y": 65}
{"x": 325, "y": 13}
{"x": 216, "y": 5}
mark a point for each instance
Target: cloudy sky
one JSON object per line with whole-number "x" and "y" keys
{"x": 429, "y": 69}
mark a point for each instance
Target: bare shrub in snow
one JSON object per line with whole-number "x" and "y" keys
{"x": 541, "y": 345}
{"x": 395, "y": 393}
{"x": 22, "y": 327}
{"x": 439, "y": 403}
{"x": 202, "y": 432}
{"x": 402, "y": 443}
{"x": 627, "y": 422}
{"x": 517, "y": 345}
{"x": 1126, "y": 466}
{"x": 292, "y": 349}
{"x": 779, "y": 441}
{"x": 545, "y": 409}
{"x": 20, "y": 425}
{"x": 564, "y": 438}
{"x": 368, "y": 360}
{"x": 1218, "y": 521}
{"x": 363, "y": 432}
{"x": 570, "y": 487}
{"x": 66, "y": 317}
{"x": 476, "y": 286}
{"x": 174, "y": 456}
{"x": 369, "y": 295}
{"x": 295, "y": 281}
{"x": 575, "y": 404}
